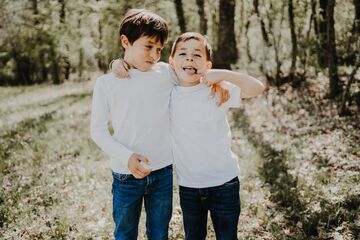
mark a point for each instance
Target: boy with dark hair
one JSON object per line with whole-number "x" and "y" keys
{"x": 138, "y": 111}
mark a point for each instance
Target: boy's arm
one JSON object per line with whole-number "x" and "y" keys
{"x": 100, "y": 134}
{"x": 250, "y": 86}
{"x": 120, "y": 69}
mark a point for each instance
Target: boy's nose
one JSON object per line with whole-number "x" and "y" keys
{"x": 154, "y": 55}
{"x": 189, "y": 59}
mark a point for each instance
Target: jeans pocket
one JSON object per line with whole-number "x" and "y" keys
{"x": 120, "y": 176}
{"x": 232, "y": 183}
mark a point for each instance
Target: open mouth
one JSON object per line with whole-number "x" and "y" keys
{"x": 190, "y": 70}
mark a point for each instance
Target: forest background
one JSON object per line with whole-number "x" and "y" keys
{"x": 298, "y": 144}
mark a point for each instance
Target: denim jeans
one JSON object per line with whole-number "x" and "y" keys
{"x": 222, "y": 201}
{"x": 128, "y": 195}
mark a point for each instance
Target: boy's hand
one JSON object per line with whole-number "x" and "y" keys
{"x": 139, "y": 166}
{"x": 224, "y": 93}
{"x": 210, "y": 77}
{"x": 120, "y": 68}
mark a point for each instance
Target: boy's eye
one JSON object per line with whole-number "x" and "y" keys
{"x": 181, "y": 54}
{"x": 148, "y": 46}
{"x": 197, "y": 55}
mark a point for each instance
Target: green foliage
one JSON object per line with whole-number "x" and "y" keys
{"x": 61, "y": 39}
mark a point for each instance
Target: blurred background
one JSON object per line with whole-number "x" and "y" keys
{"x": 298, "y": 144}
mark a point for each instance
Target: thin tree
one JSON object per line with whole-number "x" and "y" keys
{"x": 226, "y": 53}
{"x": 356, "y": 24}
{"x": 335, "y": 88}
{"x": 313, "y": 16}
{"x": 264, "y": 33}
{"x": 293, "y": 39}
{"x": 34, "y": 6}
{"x": 343, "y": 109}
{"x": 322, "y": 31}
{"x": 312, "y": 22}
{"x": 202, "y": 15}
{"x": 62, "y": 11}
{"x": 180, "y": 15}
{"x": 351, "y": 52}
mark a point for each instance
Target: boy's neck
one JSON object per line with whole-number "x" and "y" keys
{"x": 188, "y": 84}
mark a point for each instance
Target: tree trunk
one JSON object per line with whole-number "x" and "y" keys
{"x": 335, "y": 88}
{"x": 35, "y": 11}
{"x": 322, "y": 31}
{"x": 100, "y": 56}
{"x": 81, "y": 61}
{"x": 62, "y": 11}
{"x": 349, "y": 57}
{"x": 293, "y": 39}
{"x": 202, "y": 15}
{"x": 226, "y": 48}
{"x": 55, "y": 68}
{"x": 34, "y": 7}
{"x": 313, "y": 16}
{"x": 265, "y": 35}
{"x": 312, "y": 22}
{"x": 248, "y": 51}
{"x": 276, "y": 40}
{"x": 43, "y": 71}
{"x": 343, "y": 109}
{"x": 356, "y": 24}
{"x": 180, "y": 15}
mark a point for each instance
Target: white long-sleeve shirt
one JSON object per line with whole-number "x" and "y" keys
{"x": 138, "y": 109}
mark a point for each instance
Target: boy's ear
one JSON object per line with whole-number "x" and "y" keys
{"x": 171, "y": 62}
{"x": 209, "y": 64}
{"x": 124, "y": 41}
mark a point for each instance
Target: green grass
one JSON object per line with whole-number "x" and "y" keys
{"x": 294, "y": 198}
{"x": 56, "y": 183}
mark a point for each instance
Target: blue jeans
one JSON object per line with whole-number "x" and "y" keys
{"x": 128, "y": 195}
{"x": 222, "y": 201}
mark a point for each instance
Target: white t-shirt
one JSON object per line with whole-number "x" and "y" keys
{"x": 138, "y": 109}
{"x": 201, "y": 137}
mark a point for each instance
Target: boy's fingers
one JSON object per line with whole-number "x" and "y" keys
{"x": 143, "y": 159}
{"x": 125, "y": 70}
{"x": 224, "y": 97}
{"x": 201, "y": 71}
{"x": 213, "y": 91}
{"x": 143, "y": 170}
{"x": 221, "y": 99}
{"x": 125, "y": 65}
{"x": 137, "y": 175}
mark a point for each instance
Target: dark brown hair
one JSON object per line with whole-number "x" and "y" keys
{"x": 192, "y": 35}
{"x": 141, "y": 22}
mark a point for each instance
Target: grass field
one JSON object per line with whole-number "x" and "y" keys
{"x": 300, "y": 170}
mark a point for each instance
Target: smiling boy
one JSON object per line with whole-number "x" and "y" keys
{"x": 139, "y": 113}
{"x": 206, "y": 168}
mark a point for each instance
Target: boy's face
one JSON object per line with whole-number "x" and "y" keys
{"x": 189, "y": 61}
{"x": 143, "y": 53}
